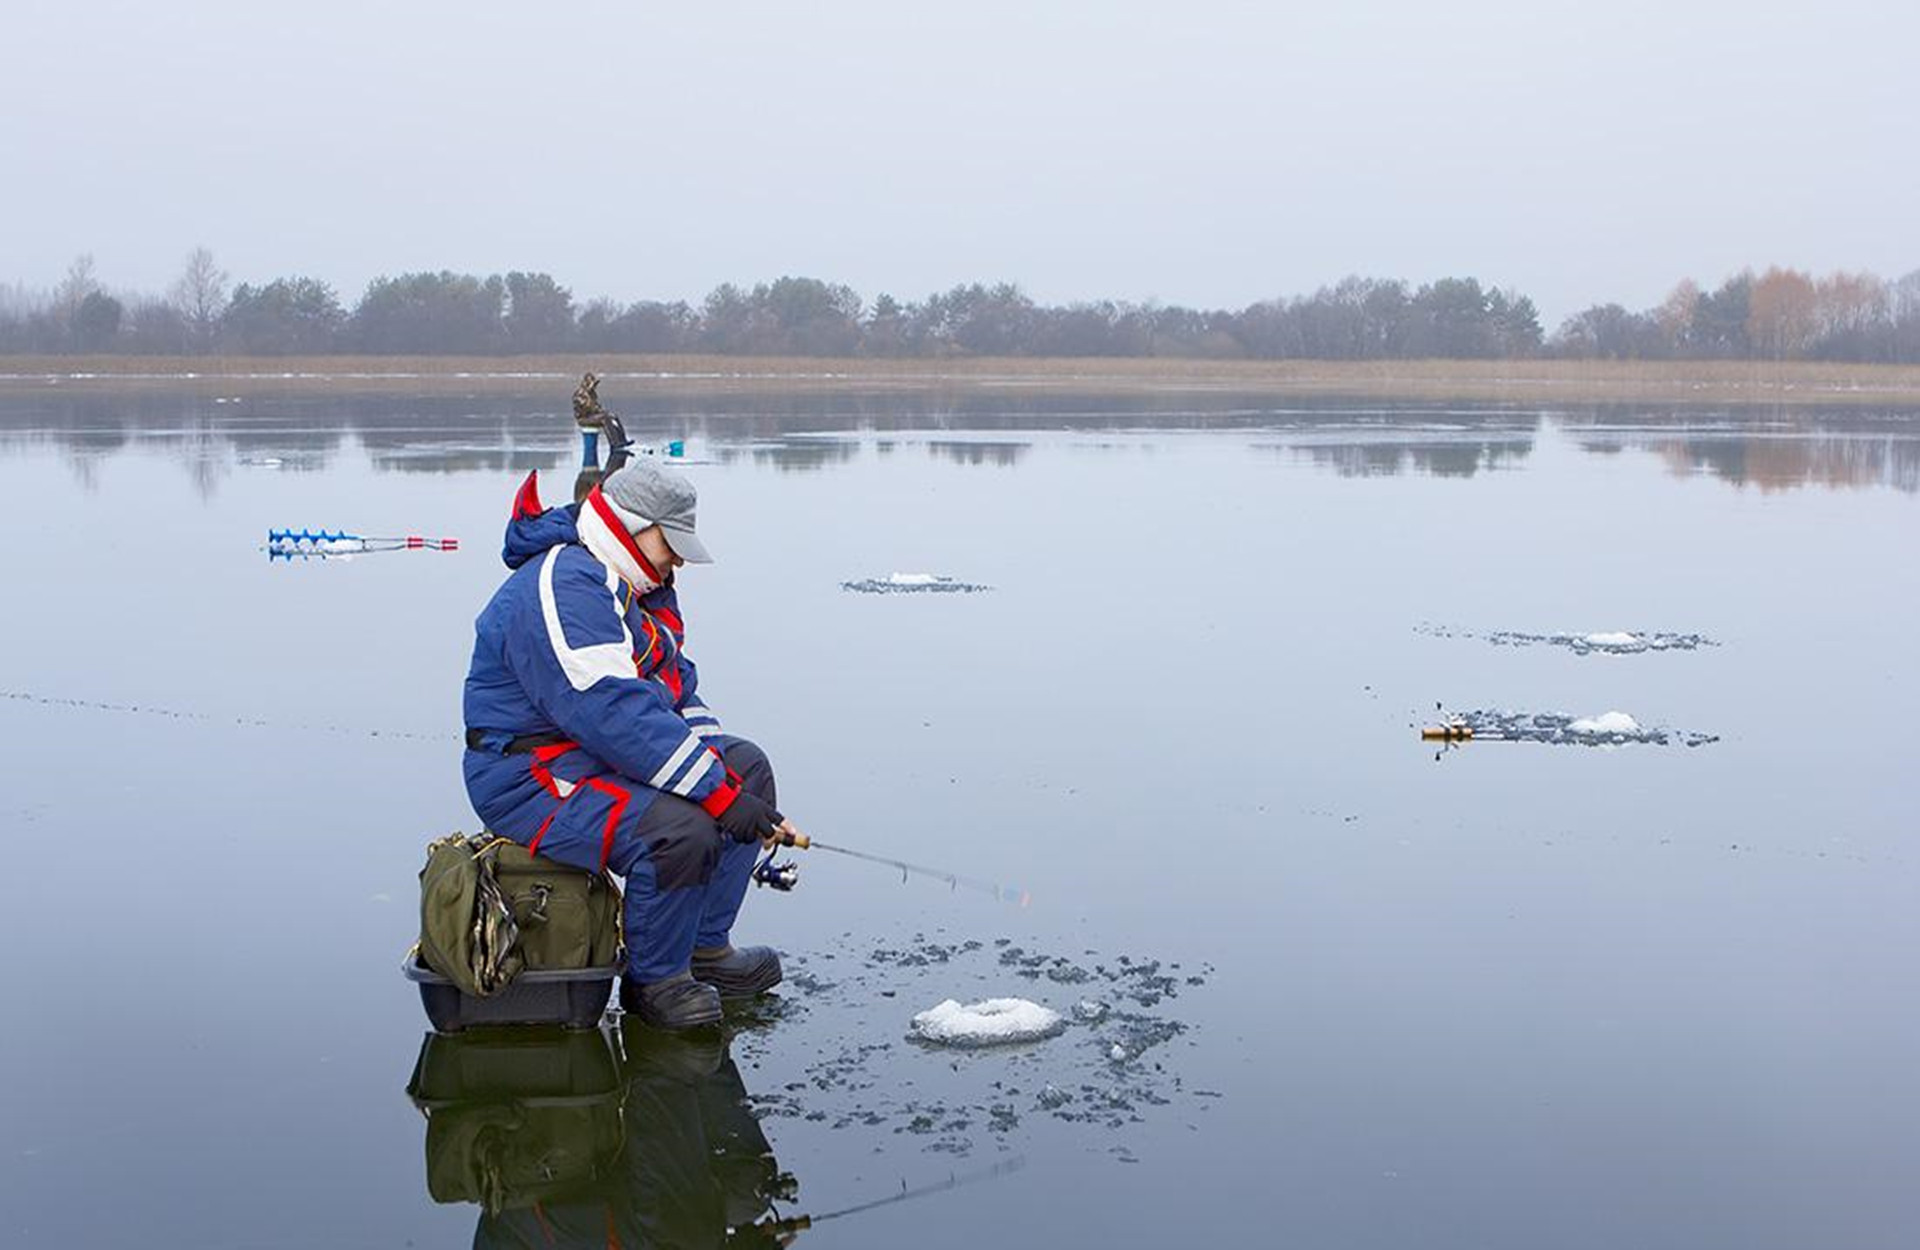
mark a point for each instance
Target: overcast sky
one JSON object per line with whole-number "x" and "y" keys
{"x": 1195, "y": 152}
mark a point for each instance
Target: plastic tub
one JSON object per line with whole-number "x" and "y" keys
{"x": 536, "y": 1067}
{"x": 574, "y": 998}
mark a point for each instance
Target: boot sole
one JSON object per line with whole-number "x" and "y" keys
{"x": 682, "y": 1024}
{"x": 747, "y": 988}
{"x": 639, "y": 1011}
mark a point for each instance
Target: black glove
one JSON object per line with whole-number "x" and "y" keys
{"x": 750, "y": 818}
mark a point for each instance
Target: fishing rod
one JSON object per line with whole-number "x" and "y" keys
{"x": 785, "y": 1226}
{"x": 305, "y": 544}
{"x": 784, "y": 876}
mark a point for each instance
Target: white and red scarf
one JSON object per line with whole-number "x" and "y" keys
{"x": 607, "y": 530}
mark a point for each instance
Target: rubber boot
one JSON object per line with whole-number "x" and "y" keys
{"x": 738, "y": 972}
{"x": 677, "y": 1002}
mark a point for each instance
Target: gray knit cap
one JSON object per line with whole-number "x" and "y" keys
{"x": 659, "y": 497}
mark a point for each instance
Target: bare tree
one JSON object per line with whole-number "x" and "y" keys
{"x": 1782, "y": 313}
{"x": 75, "y": 287}
{"x": 201, "y": 296}
{"x": 1850, "y": 303}
{"x": 1905, "y": 294}
{"x": 1674, "y": 316}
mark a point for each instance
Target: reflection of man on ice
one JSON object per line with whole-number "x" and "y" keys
{"x": 695, "y": 1169}
{"x": 589, "y": 743}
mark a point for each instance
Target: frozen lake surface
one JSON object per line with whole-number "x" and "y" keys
{"x": 1320, "y": 983}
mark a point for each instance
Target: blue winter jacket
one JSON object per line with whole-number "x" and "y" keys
{"x": 570, "y": 651}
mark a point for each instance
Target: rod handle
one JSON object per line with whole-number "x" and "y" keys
{"x": 799, "y": 840}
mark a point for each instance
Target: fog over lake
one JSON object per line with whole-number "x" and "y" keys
{"x": 1209, "y": 155}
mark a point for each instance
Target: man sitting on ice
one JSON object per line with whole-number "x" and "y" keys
{"x": 588, "y": 742}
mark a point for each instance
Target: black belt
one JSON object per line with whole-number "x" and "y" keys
{"x": 525, "y": 744}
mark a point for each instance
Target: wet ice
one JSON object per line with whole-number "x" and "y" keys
{"x": 1113, "y": 1058}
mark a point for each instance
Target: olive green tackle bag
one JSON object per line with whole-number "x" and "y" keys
{"x": 488, "y": 908}
{"x": 567, "y": 918}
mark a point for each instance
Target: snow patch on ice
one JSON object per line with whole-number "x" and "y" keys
{"x": 1612, "y": 640}
{"x": 991, "y": 1022}
{"x": 912, "y": 579}
{"x": 1606, "y": 723}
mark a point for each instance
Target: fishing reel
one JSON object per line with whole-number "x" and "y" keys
{"x": 779, "y": 876}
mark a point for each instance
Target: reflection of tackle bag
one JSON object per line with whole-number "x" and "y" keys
{"x": 516, "y": 1120}
{"x": 489, "y": 908}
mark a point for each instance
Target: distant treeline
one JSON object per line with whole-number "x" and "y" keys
{"x": 1782, "y": 314}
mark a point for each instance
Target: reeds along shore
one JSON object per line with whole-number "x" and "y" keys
{"x": 1518, "y": 381}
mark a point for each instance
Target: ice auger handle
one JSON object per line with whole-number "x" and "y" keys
{"x": 1446, "y": 733}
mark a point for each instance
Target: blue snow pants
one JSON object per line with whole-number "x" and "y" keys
{"x": 685, "y": 878}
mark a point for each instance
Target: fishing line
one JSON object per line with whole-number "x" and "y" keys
{"x": 208, "y": 718}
